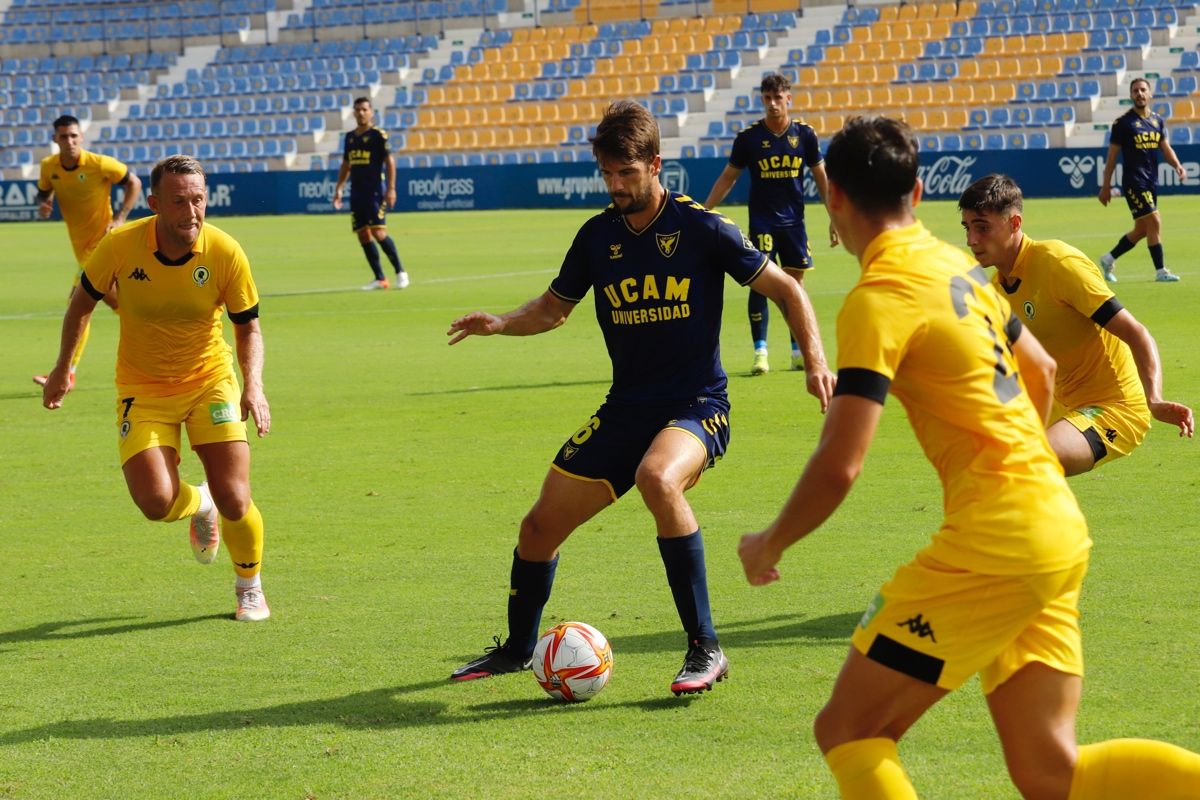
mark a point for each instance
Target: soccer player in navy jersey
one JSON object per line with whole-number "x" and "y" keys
{"x": 1137, "y": 136}
{"x": 775, "y": 149}
{"x": 656, "y": 263}
{"x": 366, "y": 156}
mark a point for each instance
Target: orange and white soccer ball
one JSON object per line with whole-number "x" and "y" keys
{"x": 572, "y": 661}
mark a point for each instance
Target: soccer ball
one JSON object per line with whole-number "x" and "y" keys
{"x": 572, "y": 662}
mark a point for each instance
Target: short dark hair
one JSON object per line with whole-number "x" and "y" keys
{"x": 175, "y": 165}
{"x": 874, "y": 161}
{"x": 627, "y": 132}
{"x": 66, "y": 120}
{"x": 992, "y": 194}
{"x": 774, "y": 83}
{"x": 358, "y": 100}
{"x": 1136, "y": 81}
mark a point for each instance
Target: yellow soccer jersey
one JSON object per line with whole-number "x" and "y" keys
{"x": 84, "y": 196}
{"x": 1059, "y": 295}
{"x": 171, "y": 331}
{"x": 924, "y": 322}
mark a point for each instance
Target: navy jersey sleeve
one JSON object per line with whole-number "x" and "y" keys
{"x": 812, "y": 147}
{"x": 738, "y": 156}
{"x": 1120, "y": 132}
{"x": 346, "y": 147}
{"x": 384, "y": 145}
{"x": 738, "y": 256}
{"x": 574, "y": 277}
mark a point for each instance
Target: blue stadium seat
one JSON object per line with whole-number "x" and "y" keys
{"x": 994, "y": 141}
{"x": 1038, "y": 140}
{"x": 931, "y": 143}
{"x": 952, "y": 141}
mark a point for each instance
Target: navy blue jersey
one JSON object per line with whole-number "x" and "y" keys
{"x": 1139, "y": 140}
{"x": 776, "y": 163}
{"x": 366, "y": 153}
{"x": 659, "y": 295}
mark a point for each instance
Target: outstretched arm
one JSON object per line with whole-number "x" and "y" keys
{"x": 75, "y": 321}
{"x": 824, "y": 484}
{"x": 543, "y": 313}
{"x": 1110, "y": 164}
{"x": 721, "y": 187}
{"x": 248, "y": 338}
{"x": 1125, "y": 327}
{"x": 793, "y": 302}
{"x": 1038, "y": 370}
{"x": 822, "y": 181}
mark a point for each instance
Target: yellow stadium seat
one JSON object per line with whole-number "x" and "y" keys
{"x": 503, "y": 138}
{"x": 915, "y": 117}
{"x": 907, "y": 11}
{"x": 943, "y": 94}
{"x": 962, "y": 93}
{"x": 861, "y": 33}
{"x": 935, "y": 119}
{"x": 840, "y": 98}
{"x": 520, "y": 35}
{"x": 966, "y": 9}
{"x": 854, "y": 52}
{"x": 927, "y": 11}
{"x": 862, "y": 97}
{"x": 888, "y": 13}
{"x": 947, "y": 11}
{"x": 919, "y": 30}
{"x": 922, "y": 94}
{"x": 1050, "y": 65}
{"x": 985, "y": 94}
{"x": 995, "y": 45}
{"x": 893, "y": 50}
{"x": 939, "y": 28}
{"x": 968, "y": 69}
{"x": 901, "y": 95}
{"x": 956, "y": 119}
{"x": 522, "y": 137}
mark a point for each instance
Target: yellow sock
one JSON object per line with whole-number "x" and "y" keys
{"x": 244, "y": 541}
{"x": 1123, "y": 768}
{"x": 78, "y": 354}
{"x": 869, "y": 769}
{"x": 186, "y": 503}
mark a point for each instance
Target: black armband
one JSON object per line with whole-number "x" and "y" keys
{"x": 1012, "y": 329}
{"x": 43, "y": 196}
{"x": 244, "y": 317}
{"x": 863, "y": 383}
{"x": 1109, "y": 309}
{"x": 87, "y": 287}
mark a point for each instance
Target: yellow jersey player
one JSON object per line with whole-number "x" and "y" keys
{"x": 1109, "y": 380}
{"x": 996, "y": 591}
{"x": 82, "y": 182}
{"x": 175, "y": 274}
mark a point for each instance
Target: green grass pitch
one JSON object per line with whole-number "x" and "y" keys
{"x": 392, "y": 485}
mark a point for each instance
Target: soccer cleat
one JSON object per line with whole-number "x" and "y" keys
{"x": 797, "y": 363}
{"x": 494, "y": 661}
{"x": 704, "y": 665}
{"x": 40, "y": 380}
{"x": 401, "y": 280}
{"x": 1108, "y": 265}
{"x": 251, "y": 604}
{"x": 761, "y": 365}
{"x": 1165, "y": 276}
{"x": 204, "y": 532}
{"x": 373, "y": 285}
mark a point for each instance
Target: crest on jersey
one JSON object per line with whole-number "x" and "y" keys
{"x": 1028, "y": 308}
{"x": 201, "y": 275}
{"x": 668, "y": 243}
{"x": 82, "y": 177}
{"x": 569, "y": 451}
{"x": 794, "y": 142}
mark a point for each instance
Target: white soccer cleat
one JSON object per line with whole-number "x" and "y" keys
{"x": 251, "y": 605}
{"x": 401, "y": 280}
{"x": 761, "y": 364}
{"x": 1165, "y": 276}
{"x": 375, "y": 285}
{"x": 204, "y": 532}
{"x": 1107, "y": 264}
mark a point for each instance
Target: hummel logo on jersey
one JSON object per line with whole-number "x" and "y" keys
{"x": 918, "y": 626}
{"x": 139, "y": 274}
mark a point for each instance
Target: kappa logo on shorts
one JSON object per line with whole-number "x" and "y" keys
{"x": 125, "y": 429}
{"x": 1111, "y": 435}
{"x": 222, "y": 413}
{"x": 200, "y": 275}
{"x": 919, "y": 626}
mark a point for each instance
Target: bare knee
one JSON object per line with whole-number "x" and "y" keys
{"x": 536, "y": 542}
{"x": 657, "y": 489}
{"x": 232, "y": 500}
{"x": 833, "y": 727}
{"x": 1046, "y": 776}
{"x": 155, "y": 504}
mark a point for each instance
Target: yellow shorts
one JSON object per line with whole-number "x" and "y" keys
{"x": 941, "y": 624}
{"x": 1112, "y": 431}
{"x": 211, "y": 413}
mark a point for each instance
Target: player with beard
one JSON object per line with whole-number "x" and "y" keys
{"x": 656, "y": 263}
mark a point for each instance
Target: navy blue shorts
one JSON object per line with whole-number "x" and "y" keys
{"x": 367, "y": 213}
{"x": 610, "y": 446}
{"x": 787, "y": 247}
{"x": 1142, "y": 202}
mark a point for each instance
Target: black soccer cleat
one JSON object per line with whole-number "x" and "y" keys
{"x": 494, "y": 661}
{"x": 704, "y": 665}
